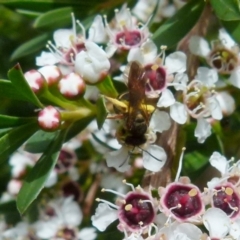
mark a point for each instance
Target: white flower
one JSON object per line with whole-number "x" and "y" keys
{"x": 92, "y": 64}
{"x": 125, "y": 32}
{"x": 219, "y": 162}
{"x": 65, "y": 214}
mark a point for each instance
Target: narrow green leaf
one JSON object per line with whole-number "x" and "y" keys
{"x": 31, "y": 46}
{"x": 34, "y": 182}
{"x": 101, "y": 112}
{"x": 227, "y": 10}
{"x": 13, "y": 139}
{"x": 107, "y": 88}
{"x": 39, "y": 142}
{"x": 55, "y": 18}
{"x": 19, "y": 82}
{"x": 8, "y": 121}
{"x": 176, "y": 27}
{"x": 8, "y": 91}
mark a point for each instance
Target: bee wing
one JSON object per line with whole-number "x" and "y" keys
{"x": 136, "y": 88}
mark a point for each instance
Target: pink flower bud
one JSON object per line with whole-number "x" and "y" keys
{"x": 49, "y": 118}
{"x": 35, "y": 80}
{"x": 72, "y": 86}
{"x": 51, "y": 73}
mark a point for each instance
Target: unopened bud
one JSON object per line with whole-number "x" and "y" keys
{"x": 35, "y": 80}
{"x": 52, "y": 74}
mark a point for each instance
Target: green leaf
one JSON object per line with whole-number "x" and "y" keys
{"x": 233, "y": 28}
{"x": 13, "y": 139}
{"x": 227, "y": 10}
{"x": 34, "y": 182}
{"x": 8, "y": 121}
{"x": 31, "y": 46}
{"x": 176, "y": 27}
{"x": 19, "y": 83}
{"x": 101, "y": 112}
{"x": 39, "y": 142}
{"x": 8, "y": 91}
{"x": 107, "y": 88}
{"x": 54, "y": 19}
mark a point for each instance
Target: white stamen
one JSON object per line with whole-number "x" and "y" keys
{"x": 180, "y": 165}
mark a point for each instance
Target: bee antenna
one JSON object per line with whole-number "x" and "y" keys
{"x": 150, "y": 154}
{"x": 126, "y": 159}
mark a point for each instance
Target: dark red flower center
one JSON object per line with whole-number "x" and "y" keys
{"x": 156, "y": 78}
{"x": 227, "y": 200}
{"x": 129, "y": 38}
{"x": 137, "y": 211}
{"x": 67, "y": 234}
{"x": 184, "y": 201}
{"x": 65, "y": 161}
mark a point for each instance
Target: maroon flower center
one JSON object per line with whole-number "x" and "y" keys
{"x": 156, "y": 78}
{"x": 223, "y": 60}
{"x": 137, "y": 211}
{"x": 72, "y": 189}
{"x": 67, "y": 234}
{"x": 183, "y": 201}
{"x": 129, "y": 38}
{"x": 65, "y": 161}
{"x": 226, "y": 199}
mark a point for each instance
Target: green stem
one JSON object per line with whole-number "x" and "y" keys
{"x": 50, "y": 97}
{"x": 72, "y": 116}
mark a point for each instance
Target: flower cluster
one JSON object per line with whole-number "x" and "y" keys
{"x": 179, "y": 209}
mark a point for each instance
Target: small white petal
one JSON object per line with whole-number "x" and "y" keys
{"x": 180, "y": 81}
{"x": 97, "y": 31}
{"x": 217, "y": 222}
{"x": 225, "y": 38}
{"x": 160, "y": 121}
{"x": 215, "y": 108}
{"x": 203, "y": 130}
{"x": 191, "y": 231}
{"x": 118, "y": 159}
{"x": 62, "y": 38}
{"x": 87, "y": 233}
{"x": 226, "y": 102}
{"x": 199, "y": 46}
{"x": 154, "y": 157}
{"x": 219, "y": 162}
{"x": 213, "y": 183}
{"x": 103, "y": 216}
{"x": 135, "y": 54}
{"x": 178, "y": 113}
{"x": 46, "y": 58}
{"x": 176, "y": 62}
{"x": 235, "y": 78}
{"x": 167, "y": 99}
{"x": 235, "y": 229}
{"x": 207, "y": 75}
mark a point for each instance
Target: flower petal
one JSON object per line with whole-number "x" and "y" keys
{"x": 217, "y": 222}
{"x": 178, "y": 113}
{"x": 154, "y": 157}
{"x": 207, "y": 75}
{"x": 219, "y": 162}
{"x": 167, "y": 99}
{"x": 118, "y": 159}
{"x": 160, "y": 121}
{"x": 176, "y": 62}
{"x": 103, "y": 216}
{"x": 199, "y": 46}
{"x": 235, "y": 78}
{"x": 203, "y": 130}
